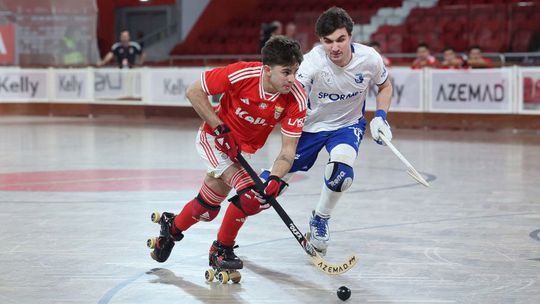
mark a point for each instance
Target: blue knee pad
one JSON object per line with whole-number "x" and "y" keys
{"x": 338, "y": 176}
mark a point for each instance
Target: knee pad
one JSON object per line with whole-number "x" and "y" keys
{"x": 338, "y": 176}
{"x": 204, "y": 212}
{"x": 250, "y": 201}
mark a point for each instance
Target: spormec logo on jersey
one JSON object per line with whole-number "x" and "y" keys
{"x": 254, "y": 120}
{"x": 337, "y": 97}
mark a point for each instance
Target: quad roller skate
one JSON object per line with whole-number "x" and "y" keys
{"x": 319, "y": 234}
{"x": 163, "y": 244}
{"x": 225, "y": 264}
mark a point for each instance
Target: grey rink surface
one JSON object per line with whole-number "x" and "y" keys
{"x": 473, "y": 237}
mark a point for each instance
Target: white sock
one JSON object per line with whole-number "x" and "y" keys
{"x": 327, "y": 201}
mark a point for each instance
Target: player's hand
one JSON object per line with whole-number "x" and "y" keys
{"x": 379, "y": 124}
{"x": 274, "y": 186}
{"x": 225, "y": 141}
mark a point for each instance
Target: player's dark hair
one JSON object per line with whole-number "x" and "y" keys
{"x": 280, "y": 50}
{"x": 425, "y": 45}
{"x": 448, "y": 48}
{"x": 473, "y": 47}
{"x": 332, "y": 19}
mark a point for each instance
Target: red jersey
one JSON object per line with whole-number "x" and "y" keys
{"x": 249, "y": 111}
{"x": 431, "y": 62}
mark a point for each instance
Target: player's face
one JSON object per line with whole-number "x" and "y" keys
{"x": 124, "y": 37}
{"x": 338, "y": 46}
{"x": 422, "y": 53}
{"x": 449, "y": 55}
{"x": 281, "y": 77}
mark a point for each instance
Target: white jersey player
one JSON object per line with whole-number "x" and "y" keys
{"x": 336, "y": 76}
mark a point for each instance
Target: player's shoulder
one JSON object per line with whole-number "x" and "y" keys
{"x": 297, "y": 96}
{"x": 135, "y": 44}
{"x": 243, "y": 70}
{"x": 315, "y": 56}
{"x": 365, "y": 52}
{"x": 116, "y": 46}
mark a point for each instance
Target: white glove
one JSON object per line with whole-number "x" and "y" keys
{"x": 379, "y": 124}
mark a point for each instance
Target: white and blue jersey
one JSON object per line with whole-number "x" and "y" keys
{"x": 336, "y": 101}
{"x": 337, "y": 94}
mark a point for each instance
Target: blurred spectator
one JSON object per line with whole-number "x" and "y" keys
{"x": 269, "y": 30}
{"x": 70, "y": 47}
{"x": 424, "y": 58}
{"x": 291, "y": 32}
{"x": 451, "y": 60}
{"x": 377, "y": 47}
{"x": 125, "y": 52}
{"x": 475, "y": 59}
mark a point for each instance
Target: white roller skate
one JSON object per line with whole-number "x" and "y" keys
{"x": 319, "y": 234}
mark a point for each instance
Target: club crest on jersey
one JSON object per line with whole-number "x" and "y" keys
{"x": 327, "y": 77}
{"x": 244, "y": 100}
{"x": 359, "y": 78}
{"x": 263, "y": 105}
{"x": 277, "y": 112}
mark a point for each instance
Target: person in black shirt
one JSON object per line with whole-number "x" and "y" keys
{"x": 125, "y": 52}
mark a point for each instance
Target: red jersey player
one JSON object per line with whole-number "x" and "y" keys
{"x": 255, "y": 98}
{"x": 424, "y": 58}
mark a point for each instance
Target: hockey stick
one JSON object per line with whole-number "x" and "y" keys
{"x": 316, "y": 259}
{"x": 410, "y": 169}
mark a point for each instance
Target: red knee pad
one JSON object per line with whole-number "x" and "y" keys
{"x": 203, "y": 212}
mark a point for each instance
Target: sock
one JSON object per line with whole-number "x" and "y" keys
{"x": 232, "y": 222}
{"x": 327, "y": 201}
{"x": 241, "y": 180}
{"x": 184, "y": 219}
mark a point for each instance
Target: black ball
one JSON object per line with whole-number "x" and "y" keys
{"x": 343, "y": 293}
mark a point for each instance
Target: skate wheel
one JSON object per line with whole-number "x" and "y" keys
{"x": 151, "y": 243}
{"x": 209, "y": 275}
{"x": 155, "y": 217}
{"x": 235, "y": 276}
{"x": 223, "y": 277}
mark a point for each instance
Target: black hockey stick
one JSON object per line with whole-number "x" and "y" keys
{"x": 316, "y": 259}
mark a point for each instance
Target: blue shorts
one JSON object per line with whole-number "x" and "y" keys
{"x": 310, "y": 144}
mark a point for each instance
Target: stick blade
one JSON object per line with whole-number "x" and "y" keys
{"x": 418, "y": 178}
{"x": 333, "y": 269}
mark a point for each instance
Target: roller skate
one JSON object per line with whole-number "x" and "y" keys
{"x": 163, "y": 244}
{"x": 225, "y": 264}
{"x": 319, "y": 234}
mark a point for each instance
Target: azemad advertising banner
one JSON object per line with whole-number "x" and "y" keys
{"x": 168, "y": 86}
{"x": 407, "y": 90}
{"x": 23, "y": 85}
{"x": 473, "y": 91}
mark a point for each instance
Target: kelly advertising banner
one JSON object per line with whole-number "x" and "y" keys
{"x": 23, "y": 85}
{"x": 530, "y": 90}
{"x": 407, "y": 91}
{"x": 71, "y": 85}
{"x": 168, "y": 86}
{"x": 471, "y": 91}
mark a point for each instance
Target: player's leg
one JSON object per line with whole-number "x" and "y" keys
{"x": 339, "y": 174}
{"x": 203, "y": 207}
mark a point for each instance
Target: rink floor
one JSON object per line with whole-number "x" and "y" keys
{"x": 76, "y": 196}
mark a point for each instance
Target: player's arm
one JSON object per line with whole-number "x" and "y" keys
{"x": 106, "y": 60}
{"x": 285, "y": 159}
{"x": 384, "y": 96}
{"x": 143, "y": 57}
{"x": 201, "y": 104}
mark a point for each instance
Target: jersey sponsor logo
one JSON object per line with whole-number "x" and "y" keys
{"x": 245, "y": 100}
{"x": 254, "y": 120}
{"x": 337, "y": 97}
{"x": 297, "y": 121}
{"x": 263, "y": 105}
{"x": 277, "y": 112}
{"x": 359, "y": 78}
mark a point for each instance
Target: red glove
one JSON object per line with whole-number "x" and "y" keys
{"x": 274, "y": 186}
{"x": 225, "y": 141}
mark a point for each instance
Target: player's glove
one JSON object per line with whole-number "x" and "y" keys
{"x": 225, "y": 141}
{"x": 379, "y": 124}
{"x": 274, "y": 186}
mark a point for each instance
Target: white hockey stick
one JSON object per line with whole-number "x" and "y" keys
{"x": 410, "y": 169}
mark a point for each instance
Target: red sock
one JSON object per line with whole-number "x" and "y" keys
{"x": 184, "y": 219}
{"x": 232, "y": 222}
